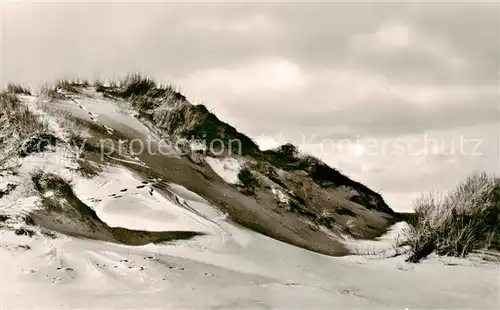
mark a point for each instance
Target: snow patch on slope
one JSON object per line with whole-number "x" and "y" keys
{"x": 197, "y": 145}
{"x": 280, "y": 195}
{"x": 387, "y": 244}
{"x": 227, "y": 168}
{"x": 121, "y": 200}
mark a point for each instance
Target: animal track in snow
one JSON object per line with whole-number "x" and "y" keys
{"x": 93, "y": 117}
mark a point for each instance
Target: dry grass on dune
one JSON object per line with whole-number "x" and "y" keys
{"x": 16, "y": 119}
{"x": 18, "y": 89}
{"x": 459, "y": 222}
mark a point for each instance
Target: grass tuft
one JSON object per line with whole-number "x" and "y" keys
{"x": 459, "y": 222}
{"x": 248, "y": 181}
{"x": 16, "y": 120}
{"x": 18, "y": 89}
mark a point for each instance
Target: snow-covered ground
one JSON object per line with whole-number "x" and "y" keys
{"x": 229, "y": 267}
{"x": 253, "y": 272}
{"x": 227, "y": 168}
{"x": 280, "y": 195}
{"x": 387, "y": 244}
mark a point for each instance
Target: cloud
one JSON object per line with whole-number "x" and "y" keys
{"x": 245, "y": 80}
{"x": 331, "y": 103}
{"x": 401, "y": 45}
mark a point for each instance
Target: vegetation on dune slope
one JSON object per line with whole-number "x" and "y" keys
{"x": 20, "y": 129}
{"x": 247, "y": 180}
{"x": 454, "y": 224}
{"x": 170, "y": 111}
{"x": 16, "y": 120}
{"x": 17, "y": 89}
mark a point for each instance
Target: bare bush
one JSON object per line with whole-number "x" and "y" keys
{"x": 459, "y": 222}
{"x": 248, "y": 181}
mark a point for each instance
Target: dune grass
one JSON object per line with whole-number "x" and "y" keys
{"x": 16, "y": 119}
{"x": 248, "y": 181}
{"x": 18, "y": 89}
{"x": 456, "y": 223}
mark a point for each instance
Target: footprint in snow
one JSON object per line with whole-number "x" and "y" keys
{"x": 65, "y": 268}
{"x": 56, "y": 279}
{"x": 175, "y": 267}
{"x": 30, "y": 270}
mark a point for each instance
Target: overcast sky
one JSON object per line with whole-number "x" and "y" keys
{"x": 402, "y": 97}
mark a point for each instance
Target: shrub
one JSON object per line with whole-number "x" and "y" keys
{"x": 25, "y": 232}
{"x": 71, "y": 86}
{"x": 247, "y": 180}
{"x": 37, "y": 143}
{"x": 459, "y": 222}
{"x": 288, "y": 157}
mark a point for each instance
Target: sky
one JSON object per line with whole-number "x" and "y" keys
{"x": 402, "y": 97}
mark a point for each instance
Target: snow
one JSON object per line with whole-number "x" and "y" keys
{"x": 227, "y": 168}
{"x": 261, "y": 273}
{"x": 115, "y": 116}
{"x": 197, "y": 145}
{"x": 280, "y": 195}
{"x": 386, "y": 244}
{"x": 135, "y": 205}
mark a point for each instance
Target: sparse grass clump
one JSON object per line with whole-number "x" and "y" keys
{"x": 137, "y": 85}
{"x": 66, "y": 85}
{"x": 248, "y": 181}
{"x": 37, "y": 143}
{"x": 16, "y": 119}
{"x": 18, "y": 89}
{"x": 457, "y": 223}
{"x": 25, "y": 232}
